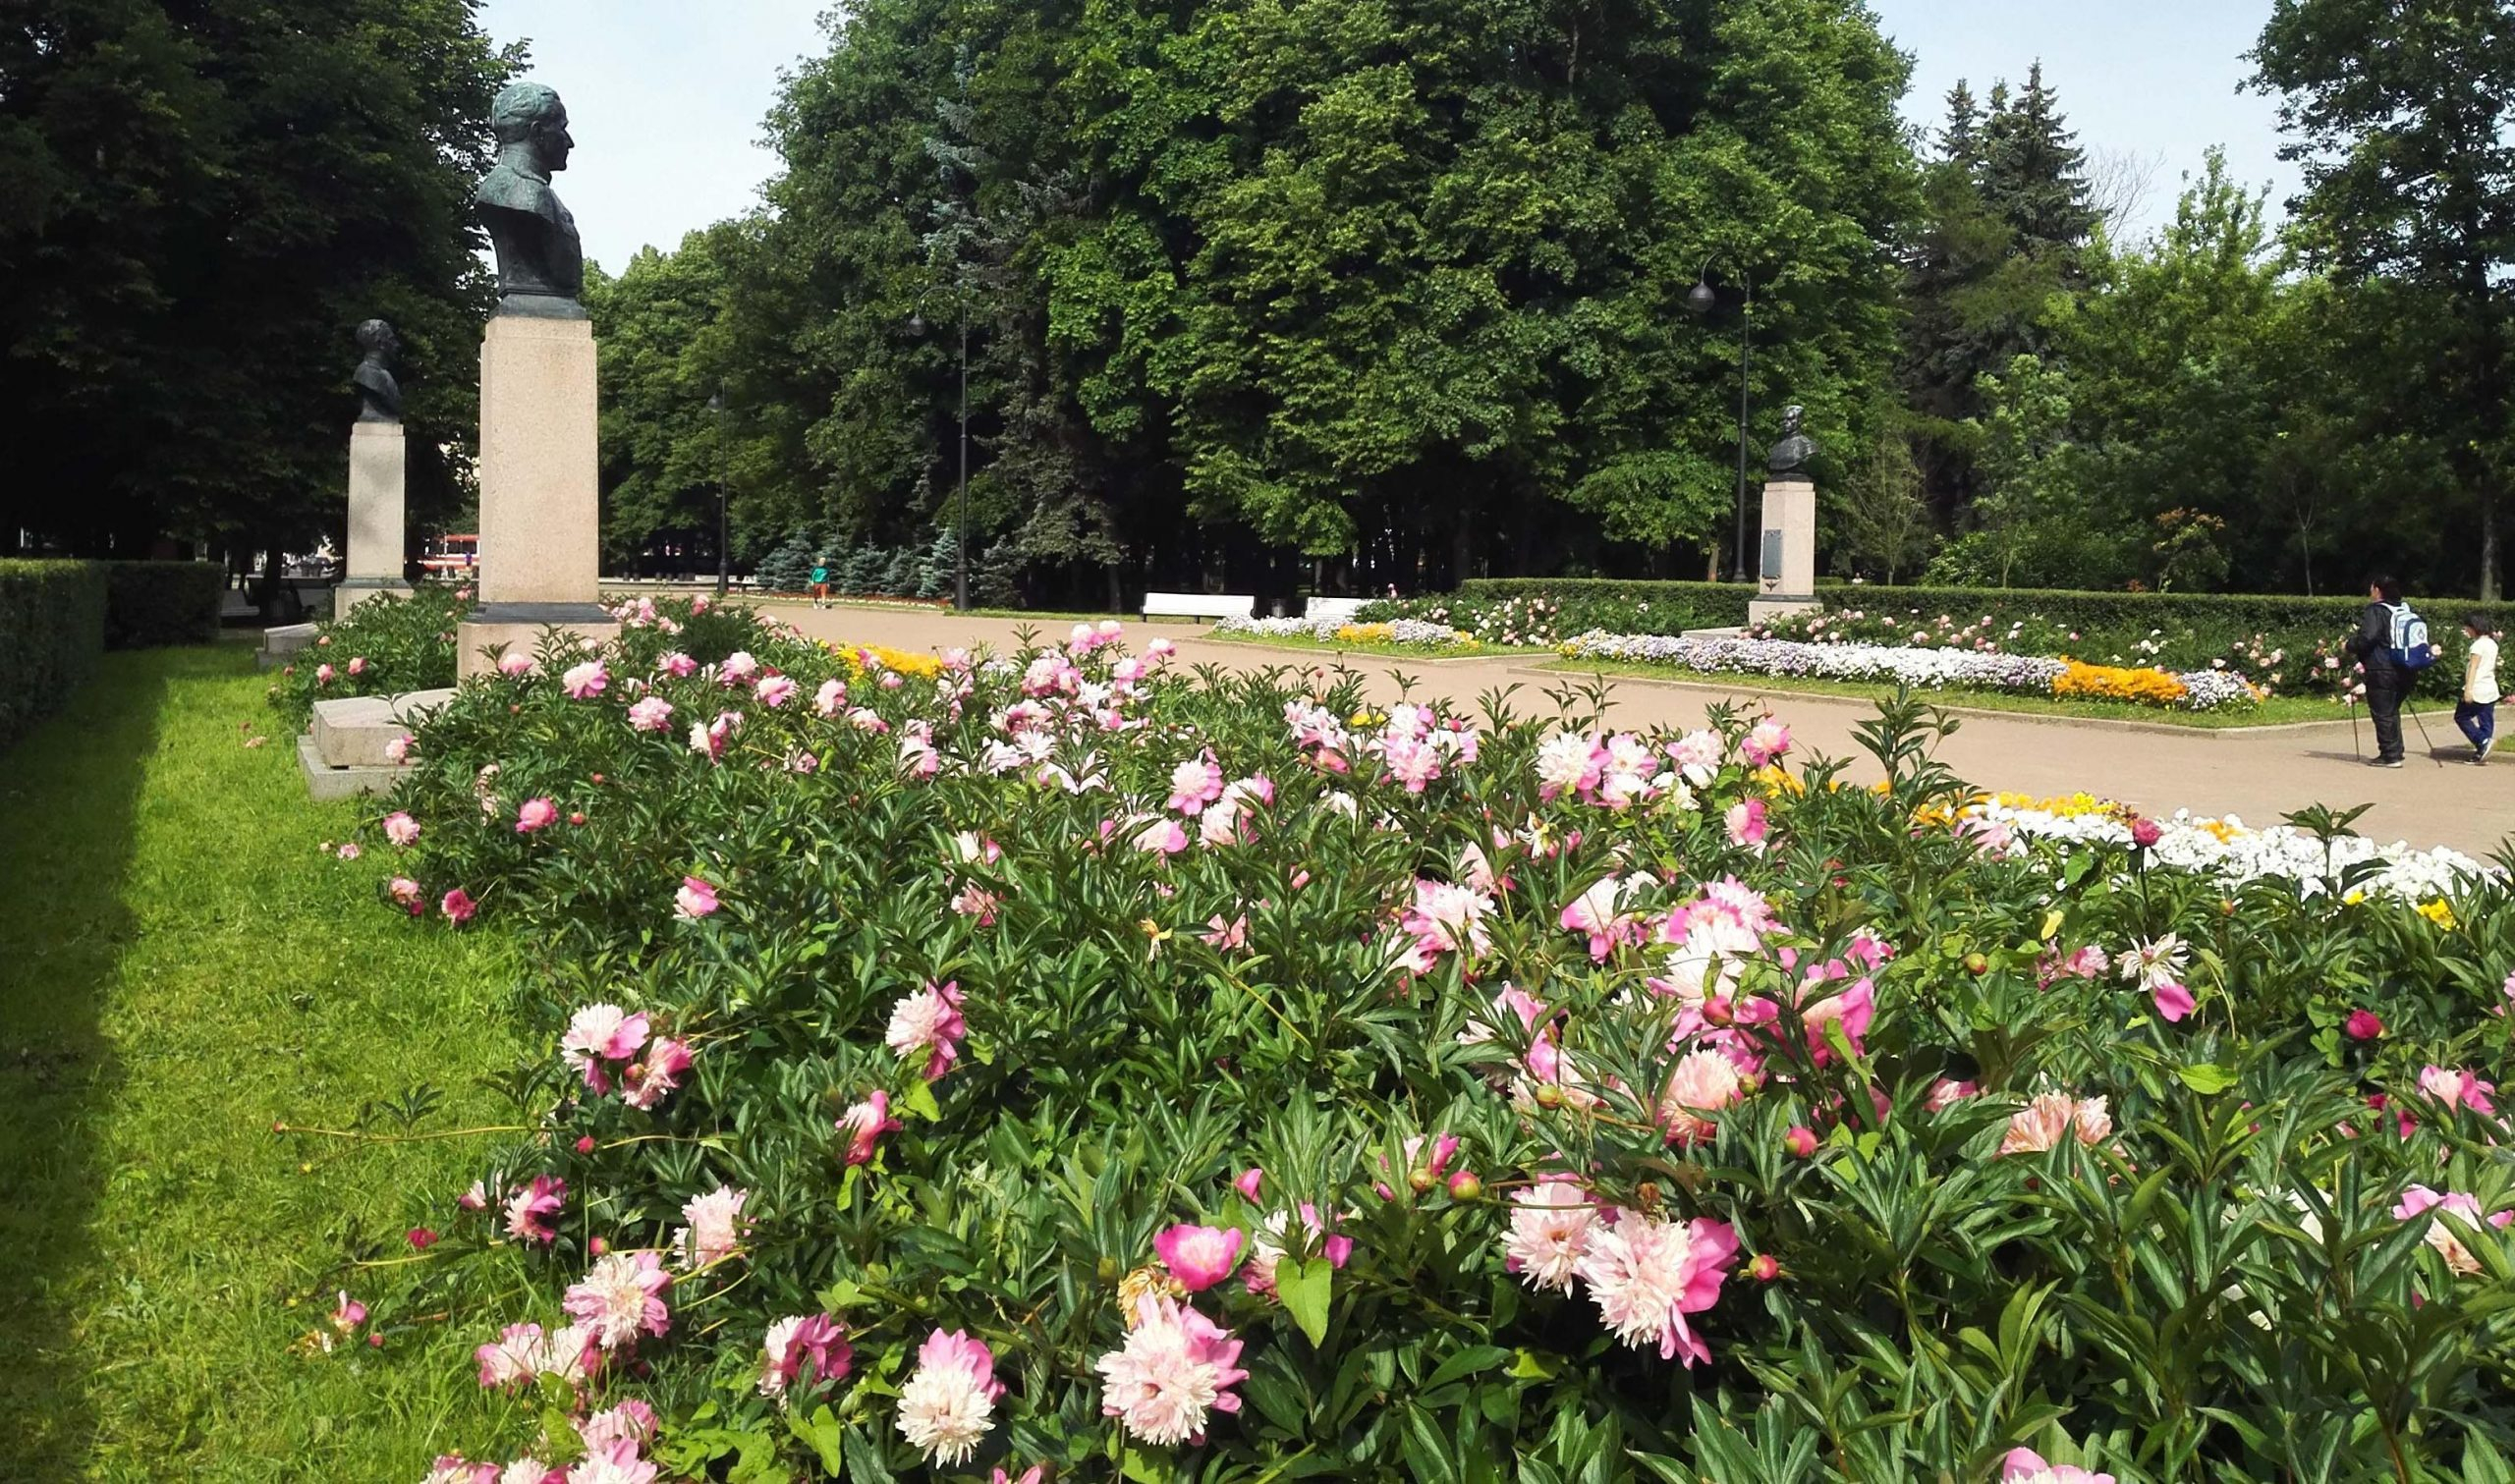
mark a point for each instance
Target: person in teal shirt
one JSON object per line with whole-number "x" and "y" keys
{"x": 820, "y": 585}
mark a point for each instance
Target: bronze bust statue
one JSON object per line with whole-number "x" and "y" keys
{"x": 541, "y": 265}
{"x": 1790, "y": 455}
{"x": 379, "y": 396}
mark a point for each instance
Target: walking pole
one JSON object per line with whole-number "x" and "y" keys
{"x": 2357, "y": 749}
{"x": 2423, "y": 737}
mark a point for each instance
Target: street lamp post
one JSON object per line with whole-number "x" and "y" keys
{"x": 724, "y": 543}
{"x": 1701, "y": 301}
{"x": 961, "y": 493}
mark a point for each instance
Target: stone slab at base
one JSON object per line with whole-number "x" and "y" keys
{"x": 1765, "y": 610}
{"x": 1730, "y": 632}
{"x": 325, "y": 783}
{"x": 502, "y": 626}
{"x": 281, "y": 643}
{"x": 355, "y": 730}
{"x": 352, "y": 591}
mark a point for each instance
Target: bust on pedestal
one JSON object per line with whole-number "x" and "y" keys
{"x": 1786, "y": 575}
{"x": 541, "y": 470}
{"x": 377, "y": 543}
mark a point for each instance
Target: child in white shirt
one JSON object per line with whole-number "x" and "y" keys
{"x": 2477, "y": 715}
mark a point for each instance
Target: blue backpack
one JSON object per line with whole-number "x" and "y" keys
{"x": 2410, "y": 647}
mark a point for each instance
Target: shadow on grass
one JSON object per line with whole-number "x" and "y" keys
{"x": 68, "y": 802}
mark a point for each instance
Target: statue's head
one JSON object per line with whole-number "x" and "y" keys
{"x": 531, "y": 113}
{"x": 376, "y": 338}
{"x": 1791, "y": 418}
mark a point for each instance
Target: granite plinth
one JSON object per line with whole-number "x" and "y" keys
{"x": 377, "y": 540}
{"x": 540, "y": 467}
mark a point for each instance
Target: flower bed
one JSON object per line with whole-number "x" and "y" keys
{"x": 387, "y": 646}
{"x": 1402, "y": 632}
{"x": 1058, "y": 1066}
{"x": 1939, "y": 667}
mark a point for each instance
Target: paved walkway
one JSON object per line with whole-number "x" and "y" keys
{"x": 2254, "y": 775}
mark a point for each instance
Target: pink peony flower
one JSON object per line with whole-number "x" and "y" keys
{"x": 2172, "y": 1000}
{"x": 1174, "y": 1372}
{"x": 738, "y": 669}
{"x": 1801, "y": 1141}
{"x": 1226, "y": 936}
{"x": 621, "y": 1297}
{"x": 774, "y": 691}
{"x": 650, "y": 714}
{"x": 398, "y": 750}
{"x": 2363, "y": 1026}
{"x": 407, "y": 895}
{"x": 678, "y": 665}
{"x": 1269, "y": 1247}
{"x": 401, "y": 829}
{"x": 715, "y": 1227}
{"x": 1198, "y": 1256}
{"x": 2043, "y": 1123}
{"x": 1747, "y": 824}
{"x": 531, "y": 1209}
{"x": 1646, "y": 1274}
{"x": 454, "y": 1468}
{"x": 515, "y": 663}
{"x": 816, "y": 1340}
{"x": 585, "y": 681}
{"x": 930, "y": 1021}
{"x": 513, "y": 1359}
{"x": 535, "y": 814}
{"x": 457, "y": 905}
{"x": 323, "y": 675}
{"x": 648, "y": 1080}
{"x": 2024, "y": 1465}
{"x": 2455, "y": 1088}
{"x": 632, "y": 1422}
{"x": 1551, "y": 1224}
{"x": 1765, "y": 743}
{"x": 2146, "y": 831}
{"x": 615, "y": 1463}
{"x": 1249, "y": 1181}
{"x": 2462, "y": 1205}
{"x": 695, "y": 899}
{"x": 864, "y": 1124}
{"x": 1852, "y": 1009}
{"x": 602, "y": 1033}
{"x": 947, "y": 1406}
{"x": 348, "y": 1314}
{"x": 1947, "y": 1093}
{"x": 1195, "y": 784}
{"x": 348, "y": 850}
{"x": 831, "y": 698}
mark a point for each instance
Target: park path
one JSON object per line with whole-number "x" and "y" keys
{"x": 2255, "y": 776}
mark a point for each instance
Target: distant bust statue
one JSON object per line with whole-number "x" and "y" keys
{"x": 541, "y": 265}
{"x": 379, "y": 396}
{"x": 1791, "y": 455}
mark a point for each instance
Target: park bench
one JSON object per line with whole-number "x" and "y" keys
{"x": 1197, "y": 605}
{"x": 1334, "y": 609}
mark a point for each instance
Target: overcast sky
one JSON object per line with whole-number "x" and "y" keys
{"x": 667, "y": 96}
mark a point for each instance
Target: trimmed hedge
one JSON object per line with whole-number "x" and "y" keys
{"x": 149, "y": 604}
{"x": 52, "y": 629}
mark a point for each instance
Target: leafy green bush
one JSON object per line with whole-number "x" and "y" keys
{"x": 149, "y": 604}
{"x": 52, "y": 627}
{"x": 387, "y": 646}
{"x": 1603, "y": 1107}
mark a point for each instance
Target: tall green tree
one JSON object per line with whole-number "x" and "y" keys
{"x": 202, "y": 202}
{"x": 2402, "y": 113}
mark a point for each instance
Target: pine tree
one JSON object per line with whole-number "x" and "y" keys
{"x": 1960, "y": 142}
{"x": 2034, "y": 174}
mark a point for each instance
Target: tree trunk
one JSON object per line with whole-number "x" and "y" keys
{"x": 2488, "y": 544}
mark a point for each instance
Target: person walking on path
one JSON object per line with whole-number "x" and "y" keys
{"x": 820, "y": 584}
{"x": 2477, "y": 714}
{"x": 2373, "y": 646}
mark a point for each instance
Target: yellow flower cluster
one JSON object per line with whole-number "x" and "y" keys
{"x": 923, "y": 667}
{"x": 2440, "y": 912}
{"x": 2114, "y": 682}
{"x": 1386, "y": 634}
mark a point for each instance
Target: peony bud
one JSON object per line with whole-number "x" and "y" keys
{"x": 1463, "y": 1185}
{"x": 1764, "y": 1268}
{"x": 2364, "y": 1025}
{"x": 1801, "y": 1141}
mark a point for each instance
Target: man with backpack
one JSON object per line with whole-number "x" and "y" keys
{"x": 2393, "y": 646}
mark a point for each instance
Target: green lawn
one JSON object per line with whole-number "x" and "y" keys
{"x": 2279, "y": 710}
{"x": 181, "y": 965}
{"x": 1383, "y": 651}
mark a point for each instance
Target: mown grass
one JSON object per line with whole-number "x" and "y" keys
{"x": 180, "y": 966}
{"x": 2279, "y": 710}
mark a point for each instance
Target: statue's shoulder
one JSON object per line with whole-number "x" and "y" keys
{"x": 511, "y": 190}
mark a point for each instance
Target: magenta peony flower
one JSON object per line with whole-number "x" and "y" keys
{"x": 947, "y": 1406}
{"x": 650, "y": 714}
{"x": 695, "y": 899}
{"x": 1174, "y": 1372}
{"x": 1646, "y": 1274}
{"x": 597, "y": 1034}
{"x": 535, "y": 814}
{"x": 401, "y": 829}
{"x": 2172, "y": 1000}
{"x": 458, "y": 906}
{"x": 1198, "y": 1256}
{"x": 928, "y": 1021}
{"x": 348, "y": 1314}
{"x": 1249, "y": 1180}
{"x": 864, "y": 1124}
{"x": 1745, "y": 822}
{"x": 2146, "y": 831}
{"x": 2024, "y": 1465}
{"x": 621, "y": 1297}
{"x": 2363, "y": 1026}
{"x": 799, "y": 1341}
{"x": 531, "y": 1209}
{"x": 585, "y": 681}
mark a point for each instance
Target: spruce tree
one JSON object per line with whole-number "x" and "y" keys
{"x": 2034, "y": 174}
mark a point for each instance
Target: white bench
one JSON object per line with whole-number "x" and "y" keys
{"x": 1197, "y": 605}
{"x": 1335, "y": 610}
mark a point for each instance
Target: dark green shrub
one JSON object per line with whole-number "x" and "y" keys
{"x": 386, "y": 646}
{"x": 52, "y": 627}
{"x": 149, "y": 604}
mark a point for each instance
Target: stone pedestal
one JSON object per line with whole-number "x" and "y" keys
{"x": 540, "y": 490}
{"x": 1786, "y": 566}
{"x": 377, "y": 543}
